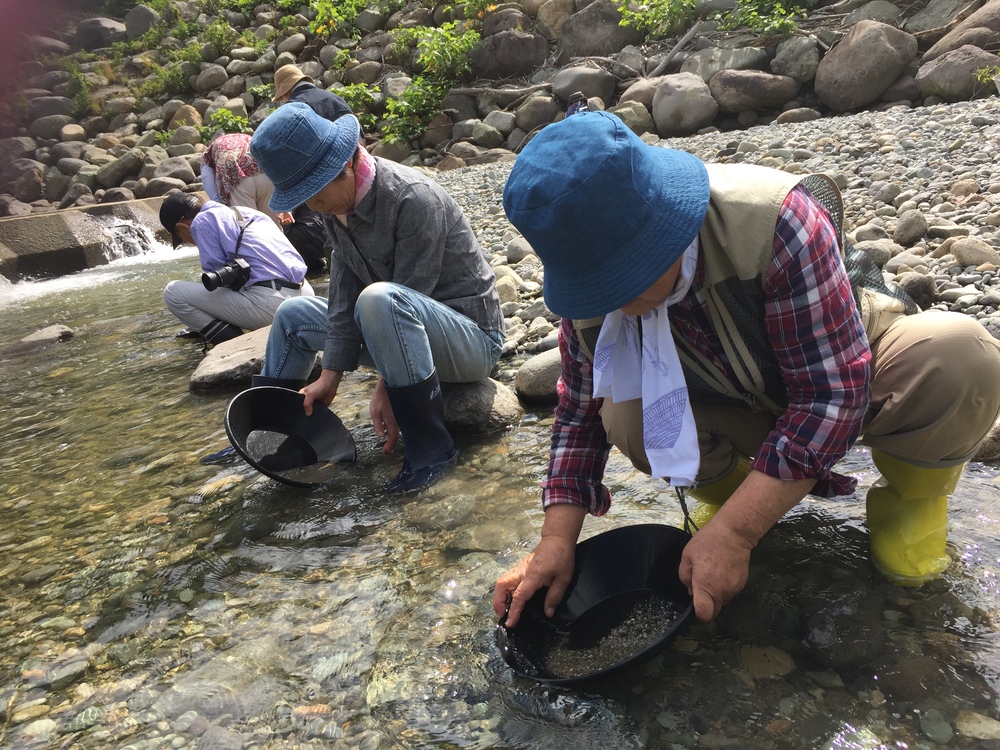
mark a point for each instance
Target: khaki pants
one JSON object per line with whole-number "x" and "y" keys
{"x": 935, "y": 393}
{"x": 254, "y": 192}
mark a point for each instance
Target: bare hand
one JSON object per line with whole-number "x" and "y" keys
{"x": 285, "y": 217}
{"x": 550, "y": 564}
{"x": 323, "y": 390}
{"x": 714, "y": 567}
{"x": 383, "y": 418}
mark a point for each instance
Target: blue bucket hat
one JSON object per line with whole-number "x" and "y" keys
{"x": 606, "y": 213}
{"x": 301, "y": 152}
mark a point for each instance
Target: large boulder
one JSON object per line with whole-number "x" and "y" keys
{"x": 508, "y": 54}
{"x": 551, "y": 17}
{"x": 797, "y": 58}
{"x": 595, "y": 30}
{"x": 952, "y": 76}
{"x": 738, "y": 90}
{"x": 591, "y": 81}
{"x": 981, "y": 29}
{"x": 683, "y": 105}
{"x": 94, "y": 33}
{"x": 480, "y": 408}
{"x": 705, "y": 63}
{"x": 139, "y": 20}
{"x": 868, "y": 60}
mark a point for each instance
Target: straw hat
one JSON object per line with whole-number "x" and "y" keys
{"x": 285, "y": 79}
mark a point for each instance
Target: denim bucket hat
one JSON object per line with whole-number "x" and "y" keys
{"x": 301, "y": 152}
{"x": 606, "y": 213}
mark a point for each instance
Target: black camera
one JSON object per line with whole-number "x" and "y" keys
{"x": 234, "y": 275}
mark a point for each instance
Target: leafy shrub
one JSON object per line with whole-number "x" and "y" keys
{"x": 360, "y": 98}
{"x": 220, "y": 35}
{"x": 443, "y": 55}
{"x": 263, "y": 91}
{"x": 659, "y": 18}
{"x": 340, "y": 60}
{"x": 226, "y": 121}
{"x": 442, "y": 52}
{"x": 407, "y": 117}
{"x": 79, "y": 91}
{"x": 331, "y": 14}
{"x": 765, "y": 16}
{"x": 168, "y": 78}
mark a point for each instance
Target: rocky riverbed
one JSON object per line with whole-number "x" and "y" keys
{"x": 167, "y": 605}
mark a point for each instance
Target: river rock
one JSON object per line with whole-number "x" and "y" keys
{"x": 981, "y": 29}
{"x": 92, "y": 33}
{"x": 866, "y": 62}
{"x": 682, "y": 105}
{"x": 971, "y": 724}
{"x": 231, "y": 363}
{"x": 952, "y": 76}
{"x": 139, "y": 20}
{"x": 972, "y": 251}
{"x": 483, "y": 407}
{"x": 536, "y": 378}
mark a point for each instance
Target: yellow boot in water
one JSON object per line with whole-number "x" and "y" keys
{"x": 711, "y": 496}
{"x": 908, "y": 519}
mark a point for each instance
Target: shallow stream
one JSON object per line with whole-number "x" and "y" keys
{"x": 149, "y": 601}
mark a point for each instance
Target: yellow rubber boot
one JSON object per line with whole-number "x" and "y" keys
{"x": 908, "y": 519}
{"x": 711, "y": 496}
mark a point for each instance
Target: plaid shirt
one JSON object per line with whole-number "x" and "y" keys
{"x": 229, "y": 155}
{"x": 811, "y": 319}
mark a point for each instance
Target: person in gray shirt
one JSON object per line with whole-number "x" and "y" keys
{"x": 409, "y": 284}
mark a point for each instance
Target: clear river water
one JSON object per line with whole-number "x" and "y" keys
{"x": 149, "y": 601}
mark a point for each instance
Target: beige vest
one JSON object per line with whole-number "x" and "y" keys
{"x": 736, "y": 245}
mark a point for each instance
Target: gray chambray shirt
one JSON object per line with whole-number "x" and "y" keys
{"x": 409, "y": 231}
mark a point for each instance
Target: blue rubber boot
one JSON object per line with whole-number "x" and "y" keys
{"x": 428, "y": 448}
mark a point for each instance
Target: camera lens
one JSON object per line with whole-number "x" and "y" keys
{"x": 233, "y": 275}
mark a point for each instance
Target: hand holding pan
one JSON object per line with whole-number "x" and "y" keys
{"x": 268, "y": 427}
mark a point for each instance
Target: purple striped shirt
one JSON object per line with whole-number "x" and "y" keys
{"x": 813, "y": 323}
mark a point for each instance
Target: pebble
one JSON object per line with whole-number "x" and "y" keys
{"x": 381, "y": 684}
{"x": 853, "y": 149}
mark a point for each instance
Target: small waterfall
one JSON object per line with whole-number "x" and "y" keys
{"x": 126, "y": 238}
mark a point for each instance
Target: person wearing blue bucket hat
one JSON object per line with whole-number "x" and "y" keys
{"x": 409, "y": 285}
{"x": 721, "y": 331}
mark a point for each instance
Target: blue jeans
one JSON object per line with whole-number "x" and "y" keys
{"x": 407, "y": 335}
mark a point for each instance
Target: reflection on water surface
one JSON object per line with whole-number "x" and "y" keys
{"x": 151, "y": 602}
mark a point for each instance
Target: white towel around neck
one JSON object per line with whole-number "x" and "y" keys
{"x": 626, "y": 368}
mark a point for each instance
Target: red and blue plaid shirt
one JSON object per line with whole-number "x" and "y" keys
{"x": 813, "y": 323}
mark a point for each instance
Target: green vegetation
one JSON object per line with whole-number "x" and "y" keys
{"x": 341, "y": 59}
{"x": 442, "y": 52}
{"x": 220, "y": 35}
{"x": 264, "y": 91}
{"x": 407, "y": 117}
{"x": 443, "y": 56}
{"x": 78, "y": 91}
{"x": 764, "y": 16}
{"x": 659, "y": 18}
{"x": 226, "y": 121}
{"x": 360, "y": 99}
{"x": 988, "y": 77}
{"x": 163, "y": 137}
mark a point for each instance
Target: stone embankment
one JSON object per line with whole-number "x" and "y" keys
{"x": 532, "y": 55}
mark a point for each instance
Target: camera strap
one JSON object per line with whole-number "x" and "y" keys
{"x": 243, "y": 227}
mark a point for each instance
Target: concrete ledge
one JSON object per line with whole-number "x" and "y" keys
{"x": 57, "y": 243}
